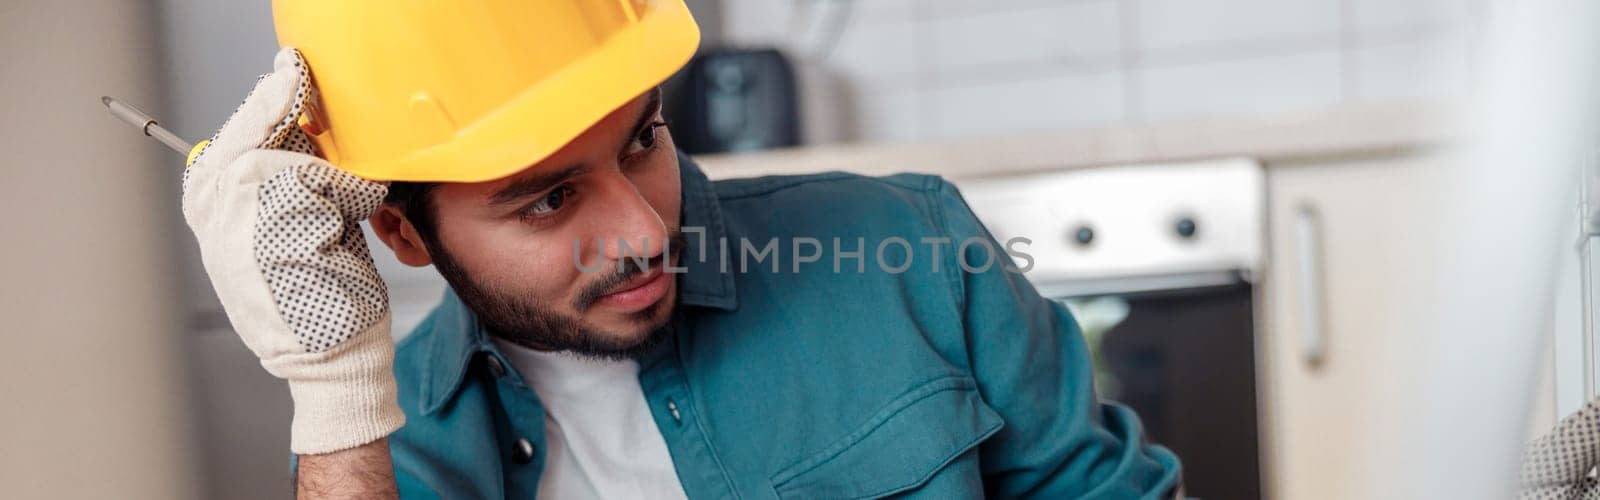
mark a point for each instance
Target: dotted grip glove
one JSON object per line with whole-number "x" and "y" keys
{"x": 1560, "y": 464}
{"x": 280, "y": 236}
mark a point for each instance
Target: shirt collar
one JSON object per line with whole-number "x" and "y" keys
{"x": 458, "y": 337}
{"x": 705, "y": 283}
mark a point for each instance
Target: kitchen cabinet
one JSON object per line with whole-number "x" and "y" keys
{"x": 1340, "y": 296}
{"x": 1341, "y": 350}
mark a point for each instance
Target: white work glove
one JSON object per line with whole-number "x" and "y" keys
{"x": 280, "y": 236}
{"x": 1559, "y": 465}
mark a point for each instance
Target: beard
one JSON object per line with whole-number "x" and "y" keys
{"x": 524, "y": 320}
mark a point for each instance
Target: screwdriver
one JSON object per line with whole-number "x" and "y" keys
{"x": 145, "y": 123}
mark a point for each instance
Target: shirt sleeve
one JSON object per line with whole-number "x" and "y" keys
{"x": 1033, "y": 368}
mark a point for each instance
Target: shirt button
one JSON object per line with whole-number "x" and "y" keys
{"x": 494, "y": 366}
{"x": 522, "y": 452}
{"x": 672, "y": 406}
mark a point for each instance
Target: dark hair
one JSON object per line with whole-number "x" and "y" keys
{"x": 414, "y": 199}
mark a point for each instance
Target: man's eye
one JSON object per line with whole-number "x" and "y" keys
{"x": 645, "y": 140}
{"x": 550, "y": 203}
{"x": 647, "y": 137}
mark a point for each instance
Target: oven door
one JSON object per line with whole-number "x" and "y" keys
{"x": 1184, "y": 359}
{"x": 1156, "y": 262}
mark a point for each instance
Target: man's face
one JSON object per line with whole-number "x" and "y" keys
{"x": 506, "y": 246}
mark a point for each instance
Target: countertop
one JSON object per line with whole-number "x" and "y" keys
{"x": 1364, "y": 129}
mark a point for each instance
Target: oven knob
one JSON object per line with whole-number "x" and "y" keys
{"x": 1083, "y": 235}
{"x": 1186, "y": 228}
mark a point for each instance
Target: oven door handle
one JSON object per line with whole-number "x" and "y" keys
{"x": 1308, "y": 264}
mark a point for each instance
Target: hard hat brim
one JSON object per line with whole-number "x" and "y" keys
{"x": 545, "y": 117}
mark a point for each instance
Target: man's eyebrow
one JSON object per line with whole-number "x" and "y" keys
{"x": 652, "y": 105}
{"x": 535, "y": 184}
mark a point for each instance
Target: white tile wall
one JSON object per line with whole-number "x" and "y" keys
{"x": 758, "y": 22}
{"x": 1083, "y": 34}
{"x": 887, "y": 8}
{"x": 1187, "y": 24}
{"x": 877, "y": 51}
{"x": 887, "y": 114}
{"x": 1411, "y": 69}
{"x": 950, "y": 8}
{"x": 1054, "y": 102}
{"x": 1295, "y": 82}
{"x": 1409, "y": 14}
{"x": 914, "y": 70}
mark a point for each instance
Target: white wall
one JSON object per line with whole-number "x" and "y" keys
{"x": 909, "y": 70}
{"x": 92, "y": 403}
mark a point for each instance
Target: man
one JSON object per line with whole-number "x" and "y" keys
{"x": 619, "y": 326}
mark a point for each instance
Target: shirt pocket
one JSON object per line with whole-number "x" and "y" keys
{"x": 899, "y": 448}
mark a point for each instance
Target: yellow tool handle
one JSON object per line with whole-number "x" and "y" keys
{"x": 195, "y": 151}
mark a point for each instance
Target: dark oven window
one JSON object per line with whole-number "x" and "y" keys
{"x": 1185, "y": 360}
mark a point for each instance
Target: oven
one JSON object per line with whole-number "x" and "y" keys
{"x": 1158, "y": 264}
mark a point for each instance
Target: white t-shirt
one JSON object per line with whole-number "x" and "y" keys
{"x": 601, "y": 441}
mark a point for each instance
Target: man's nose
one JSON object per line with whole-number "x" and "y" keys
{"x": 630, "y": 226}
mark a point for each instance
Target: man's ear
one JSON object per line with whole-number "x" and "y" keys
{"x": 396, "y": 230}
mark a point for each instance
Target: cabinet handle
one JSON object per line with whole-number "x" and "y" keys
{"x": 1589, "y": 220}
{"x": 1308, "y": 253}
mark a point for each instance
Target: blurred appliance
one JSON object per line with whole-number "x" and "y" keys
{"x": 734, "y": 100}
{"x": 1157, "y": 262}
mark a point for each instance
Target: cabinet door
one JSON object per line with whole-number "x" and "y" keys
{"x": 1344, "y": 280}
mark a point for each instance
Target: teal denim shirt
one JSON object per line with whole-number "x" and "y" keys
{"x": 939, "y": 381}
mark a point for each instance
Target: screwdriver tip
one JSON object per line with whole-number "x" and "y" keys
{"x": 106, "y": 100}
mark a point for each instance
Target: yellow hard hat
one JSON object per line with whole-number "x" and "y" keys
{"x": 467, "y": 91}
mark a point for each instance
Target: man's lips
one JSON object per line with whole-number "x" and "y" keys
{"x": 638, "y": 293}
